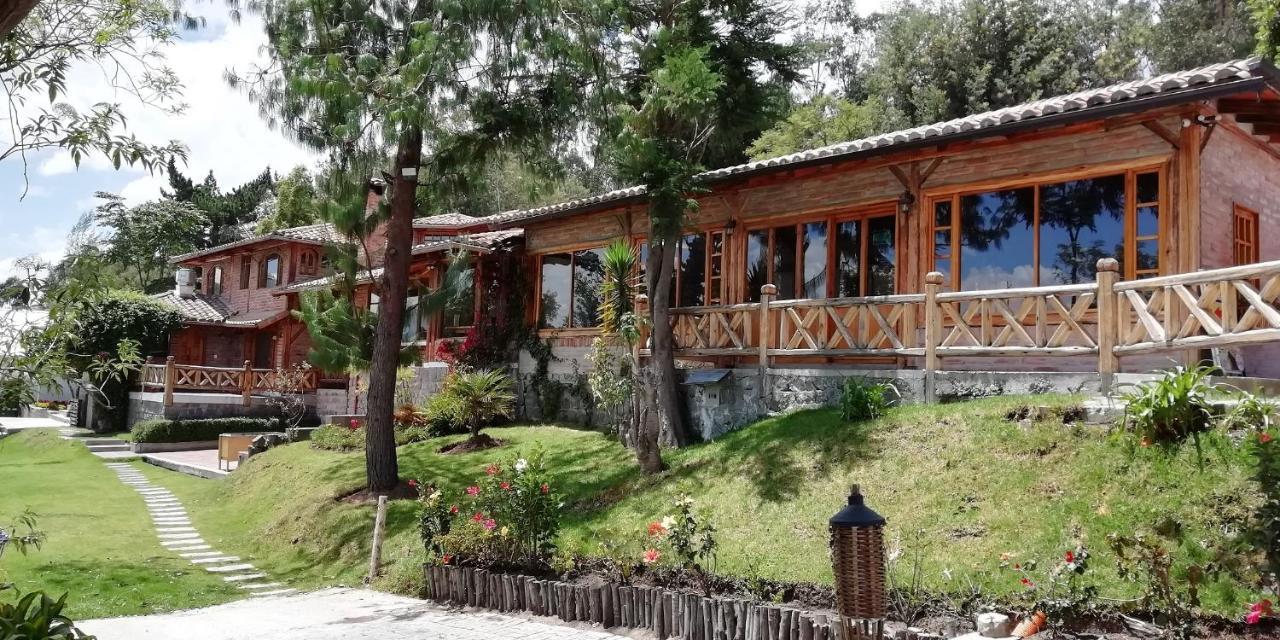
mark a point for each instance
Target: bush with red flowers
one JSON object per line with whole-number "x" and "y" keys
{"x": 509, "y": 516}
{"x": 1062, "y": 595}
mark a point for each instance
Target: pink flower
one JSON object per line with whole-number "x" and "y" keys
{"x": 413, "y": 484}
{"x": 490, "y": 524}
{"x": 453, "y": 509}
{"x": 1253, "y": 617}
{"x": 1264, "y": 438}
{"x": 446, "y": 559}
{"x": 546, "y": 488}
{"x": 473, "y": 490}
{"x": 656, "y": 530}
{"x": 1146, "y": 442}
{"x": 1257, "y": 611}
{"x": 651, "y": 556}
{"x": 478, "y": 517}
{"x": 491, "y": 470}
{"x": 506, "y": 486}
{"x": 354, "y": 424}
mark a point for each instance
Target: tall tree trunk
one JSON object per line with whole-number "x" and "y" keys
{"x": 662, "y": 363}
{"x": 12, "y": 13}
{"x": 380, "y": 440}
{"x": 646, "y": 425}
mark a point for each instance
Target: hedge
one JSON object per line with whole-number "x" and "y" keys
{"x": 200, "y": 430}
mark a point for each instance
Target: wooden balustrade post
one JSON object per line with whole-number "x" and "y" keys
{"x": 642, "y": 319}
{"x": 142, "y": 378}
{"x": 1108, "y": 320}
{"x": 932, "y": 333}
{"x": 170, "y": 378}
{"x": 767, "y": 293}
{"x": 246, "y": 383}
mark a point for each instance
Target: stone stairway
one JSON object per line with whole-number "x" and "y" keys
{"x": 177, "y": 535}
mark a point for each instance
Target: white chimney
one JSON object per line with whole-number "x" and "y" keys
{"x": 186, "y": 281}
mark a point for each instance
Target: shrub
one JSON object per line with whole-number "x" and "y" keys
{"x": 444, "y": 411}
{"x": 482, "y": 396}
{"x": 200, "y": 430}
{"x": 1171, "y": 409}
{"x": 510, "y": 516}
{"x": 1250, "y": 412}
{"x": 864, "y": 400}
{"x": 689, "y": 537}
{"x": 14, "y": 393}
{"x": 337, "y": 437}
{"x": 36, "y": 616}
{"x": 1061, "y": 593}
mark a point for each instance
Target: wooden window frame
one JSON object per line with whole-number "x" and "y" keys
{"x": 862, "y": 215}
{"x": 308, "y": 262}
{"x": 1245, "y": 222}
{"x": 246, "y": 271}
{"x": 262, "y": 271}
{"x": 215, "y": 280}
{"x": 573, "y": 262}
{"x": 1130, "y": 223}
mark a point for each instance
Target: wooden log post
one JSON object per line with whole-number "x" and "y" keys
{"x": 767, "y": 293}
{"x": 642, "y": 314}
{"x": 170, "y": 379}
{"x": 379, "y": 531}
{"x": 246, "y": 383}
{"x": 1108, "y": 322}
{"x": 932, "y": 333}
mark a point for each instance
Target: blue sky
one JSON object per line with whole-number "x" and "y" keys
{"x": 220, "y": 127}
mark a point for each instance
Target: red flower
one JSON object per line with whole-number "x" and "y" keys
{"x": 478, "y": 517}
{"x": 413, "y": 484}
{"x": 473, "y": 490}
{"x": 490, "y": 524}
{"x": 506, "y": 486}
{"x": 1017, "y": 566}
{"x": 453, "y": 509}
{"x": 1264, "y": 437}
{"x": 1146, "y": 442}
{"x": 491, "y": 470}
{"x": 546, "y": 488}
{"x": 446, "y": 559}
{"x": 1071, "y": 556}
{"x": 354, "y": 424}
{"x": 656, "y": 530}
{"x": 1027, "y": 583}
{"x": 651, "y": 556}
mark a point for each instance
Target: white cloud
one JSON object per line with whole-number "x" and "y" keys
{"x": 62, "y": 163}
{"x": 48, "y": 243}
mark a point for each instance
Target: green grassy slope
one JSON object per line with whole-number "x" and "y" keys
{"x": 957, "y": 482}
{"x": 100, "y": 545}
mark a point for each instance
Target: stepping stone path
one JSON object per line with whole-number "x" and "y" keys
{"x": 178, "y": 535}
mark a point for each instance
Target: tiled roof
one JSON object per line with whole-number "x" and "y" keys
{"x": 322, "y": 233}
{"x": 326, "y": 282}
{"x": 486, "y": 241}
{"x": 444, "y": 220}
{"x": 203, "y": 309}
{"x": 1134, "y": 95}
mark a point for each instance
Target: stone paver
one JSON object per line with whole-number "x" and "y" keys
{"x": 334, "y": 614}
{"x": 202, "y": 462}
{"x": 176, "y": 534}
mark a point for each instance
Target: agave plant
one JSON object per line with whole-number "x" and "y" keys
{"x": 618, "y": 289}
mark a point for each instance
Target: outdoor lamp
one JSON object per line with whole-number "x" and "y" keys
{"x": 905, "y": 201}
{"x": 857, "y": 559}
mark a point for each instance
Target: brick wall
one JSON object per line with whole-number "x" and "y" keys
{"x": 1234, "y": 170}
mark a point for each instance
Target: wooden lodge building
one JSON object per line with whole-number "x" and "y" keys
{"x": 1175, "y": 177}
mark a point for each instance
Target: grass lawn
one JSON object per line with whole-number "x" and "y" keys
{"x": 958, "y": 483}
{"x": 100, "y": 546}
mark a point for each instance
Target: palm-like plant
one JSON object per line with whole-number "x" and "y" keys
{"x": 618, "y": 289}
{"x": 482, "y": 396}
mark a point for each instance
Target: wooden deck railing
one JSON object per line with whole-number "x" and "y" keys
{"x": 170, "y": 377}
{"x": 1105, "y": 319}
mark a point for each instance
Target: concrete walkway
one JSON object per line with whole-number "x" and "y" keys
{"x": 333, "y": 614}
{"x": 176, "y": 534}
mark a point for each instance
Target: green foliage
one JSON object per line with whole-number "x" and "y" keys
{"x": 341, "y": 333}
{"x": 15, "y": 392}
{"x": 445, "y": 411}
{"x": 510, "y": 516}
{"x": 1063, "y": 592}
{"x": 1192, "y": 33}
{"x": 1264, "y": 535}
{"x": 226, "y": 212}
{"x": 690, "y": 537}
{"x": 36, "y": 616}
{"x": 823, "y": 121}
{"x": 1173, "y": 597}
{"x": 1266, "y": 17}
{"x": 339, "y": 437}
{"x": 295, "y": 203}
{"x": 612, "y": 386}
{"x": 145, "y": 237}
{"x": 861, "y": 399}
{"x": 106, "y": 322}
{"x": 22, "y": 535}
{"x": 482, "y": 396}
{"x": 1172, "y": 409}
{"x": 199, "y": 430}
{"x": 620, "y": 262}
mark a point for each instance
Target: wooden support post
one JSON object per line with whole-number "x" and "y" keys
{"x": 142, "y": 378}
{"x": 642, "y": 314}
{"x": 767, "y": 293}
{"x": 170, "y": 379}
{"x": 1187, "y": 216}
{"x": 932, "y": 333}
{"x": 1108, "y": 319}
{"x": 246, "y": 383}
{"x": 379, "y": 530}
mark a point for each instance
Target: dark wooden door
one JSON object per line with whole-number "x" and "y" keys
{"x": 263, "y": 351}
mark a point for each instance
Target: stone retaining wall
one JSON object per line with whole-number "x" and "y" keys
{"x": 667, "y": 613}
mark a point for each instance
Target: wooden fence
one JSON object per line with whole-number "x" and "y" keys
{"x": 1104, "y": 319}
{"x": 170, "y": 377}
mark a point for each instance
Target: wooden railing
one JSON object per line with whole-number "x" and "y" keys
{"x": 1105, "y": 319}
{"x": 170, "y": 377}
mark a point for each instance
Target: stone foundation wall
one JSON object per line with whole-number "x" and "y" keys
{"x": 191, "y": 406}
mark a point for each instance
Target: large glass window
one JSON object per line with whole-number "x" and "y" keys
{"x": 801, "y": 261}
{"x": 215, "y": 287}
{"x": 412, "y": 327}
{"x": 246, "y": 265}
{"x": 692, "y": 270}
{"x": 557, "y": 287}
{"x": 588, "y": 275}
{"x": 1047, "y": 234}
{"x": 269, "y": 272}
{"x": 459, "y": 314}
{"x": 570, "y": 295}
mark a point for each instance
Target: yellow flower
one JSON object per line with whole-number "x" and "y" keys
{"x": 504, "y": 532}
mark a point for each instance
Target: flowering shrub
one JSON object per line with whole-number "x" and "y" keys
{"x": 509, "y": 516}
{"x": 1257, "y": 611}
{"x": 1174, "y": 598}
{"x": 351, "y": 436}
{"x": 1062, "y": 594}
{"x": 689, "y": 538}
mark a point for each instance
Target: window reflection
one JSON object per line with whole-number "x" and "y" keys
{"x": 849, "y": 259}
{"x": 692, "y": 267}
{"x": 784, "y": 262}
{"x": 881, "y": 255}
{"x": 588, "y": 275}
{"x": 815, "y": 260}
{"x": 1081, "y": 222}
{"x": 557, "y": 286}
{"x": 996, "y": 243}
{"x": 757, "y": 263}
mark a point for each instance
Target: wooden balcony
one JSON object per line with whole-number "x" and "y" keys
{"x": 246, "y": 381}
{"x": 1104, "y": 319}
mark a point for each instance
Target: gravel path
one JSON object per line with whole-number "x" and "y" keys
{"x": 333, "y": 614}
